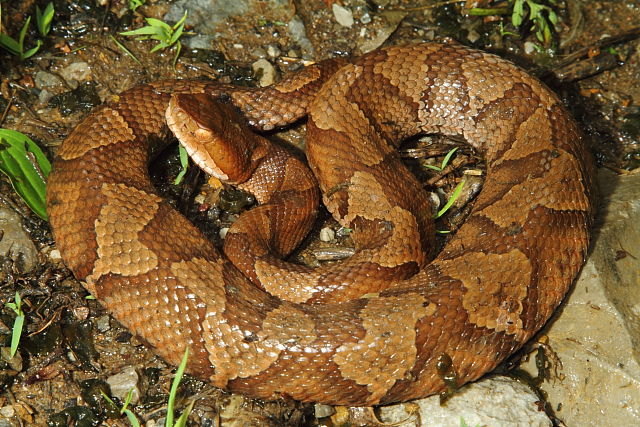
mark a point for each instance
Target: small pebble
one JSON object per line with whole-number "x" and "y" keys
{"x": 14, "y": 362}
{"x": 259, "y": 53}
{"x": 529, "y": 47}
{"x": 76, "y": 72}
{"x": 324, "y": 410}
{"x": 121, "y": 383}
{"x": 45, "y": 79}
{"x": 273, "y": 51}
{"x": 327, "y": 234}
{"x": 266, "y": 71}
{"x": 343, "y": 15}
{"x": 435, "y": 200}
{"x": 223, "y": 232}
{"x": 54, "y": 255}
{"x": 103, "y": 324}
{"x": 7, "y": 411}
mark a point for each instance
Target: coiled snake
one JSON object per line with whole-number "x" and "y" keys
{"x": 496, "y": 282}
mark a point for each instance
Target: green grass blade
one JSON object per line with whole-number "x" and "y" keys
{"x": 174, "y": 388}
{"x": 452, "y": 199}
{"x": 28, "y": 54}
{"x": 125, "y": 50}
{"x": 144, "y": 31}
{"x": 23, "y": 33}
{"x": 9, "y": 44}
{"x": 182, "y": 420}
{"x": 184, "y": 162}
{"x": 132, "y": 418}
{"x": 44, "y": 18}
{"x": 27, "y": 179}
{"x": 447, "y": 158}
{"x": 156, "y": 23}
{"x": 16, "y": 333}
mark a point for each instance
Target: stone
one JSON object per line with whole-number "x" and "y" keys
{"x": 76, "y": 72}
{"x": 266, "y": 72}
{"x": 343, "y": 15}
{"x": 121, "y": 383}
{"x": 596, "y": 336}
{"x": 15, "y": 242}
{"x": 327, "y": 234}
{"x": 496, "y": 401}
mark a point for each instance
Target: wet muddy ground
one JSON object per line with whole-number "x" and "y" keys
{"x": 71, "y": 347}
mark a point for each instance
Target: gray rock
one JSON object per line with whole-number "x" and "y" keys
{"x": 298, "y": 34}
{"x": 44, "y": 80}
{"x": 76, "y": 72}
{"x": 597, "y": 334}
{"x": 206, "y": 15}
{"x": 121, "y": 383}
{"x": 323, "y": 411}
{"x": 15, "y": 242}
{"x": 102, "y": 323}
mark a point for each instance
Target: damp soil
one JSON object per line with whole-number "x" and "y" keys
{"x": 70, "y": 345}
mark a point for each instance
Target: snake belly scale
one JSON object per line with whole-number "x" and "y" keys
{"x": 495, "y": 283}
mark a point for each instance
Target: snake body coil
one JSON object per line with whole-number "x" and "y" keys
{"x": 495, "y": 284}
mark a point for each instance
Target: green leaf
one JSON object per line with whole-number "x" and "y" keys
{"x": 23, "y": 32}
{"x": 180, "y": 23}
{"x": 174, "y": 388}
{"x": 452, "y": 199}
{"x": 158, "y": 24}
{"x": 32, "y": 51}
{"x": 447, "y": 158}
{"x": 18, "y": 323}
{"x": 132, "y": 418}
{"x": 144, "y": 31}
{"x": 178, "y": 49}
{"x": 518, "y": 13}
{"x": 16, "y": 333}
{"x": 161, "y": 45}
{"x": 182, "y": 420}
{"x": 125, "y": 50}
{"x": 184, "y": 162}
{"x": 43, "y": 19}
{"x": 10, "y": 44}
{"x": 481, "y": 11}
{"x": 18, "y": 153}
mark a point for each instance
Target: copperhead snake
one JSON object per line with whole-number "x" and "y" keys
{"x": 495, "y": 283}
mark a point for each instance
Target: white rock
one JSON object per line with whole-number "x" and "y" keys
{"x": 7, "y": 411}
{"x": 327, "y": 234}
{"x": 343, "y": 15}
{"x": 266, "y": 71}
{"x": 55, "y": 255}
{"x": 529, "y": 47}
{"x": 223, "y": 232}
{"x": 497, "y": 401}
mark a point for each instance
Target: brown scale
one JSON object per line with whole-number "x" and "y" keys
{"x": 492, "y": 287}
